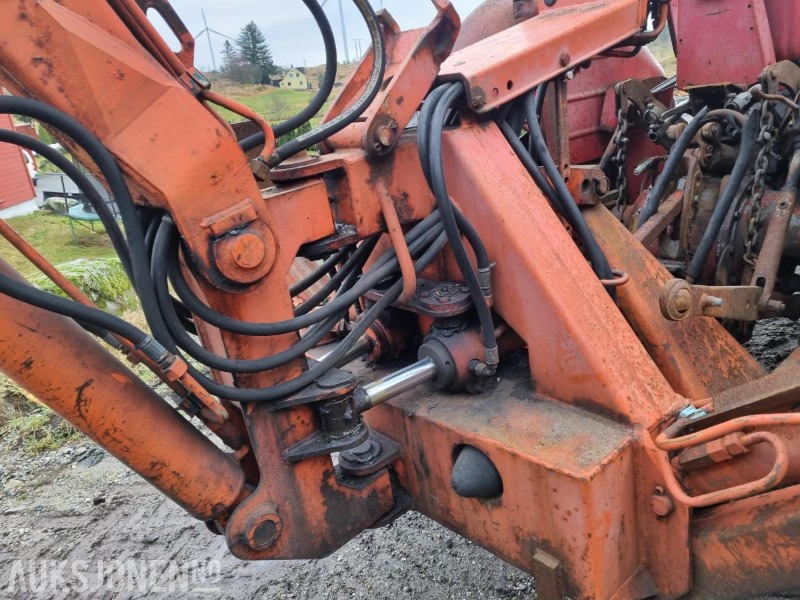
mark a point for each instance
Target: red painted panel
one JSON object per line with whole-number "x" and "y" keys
{"x": 722, "y": 41}
{"x": 783, "y": 18}
{"x": 15, "y": 183}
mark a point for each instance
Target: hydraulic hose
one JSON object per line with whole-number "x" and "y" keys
{"x": 330, "y": 361}
{"x": 84, "y": 185}
{"x": 355, "y": 262}
{"x": 352, "y": 112}
{"x": 142, "y": 281}
{"x": 423, "y": 145}
{"x": 723, "y": 206}
{"x": 571, "y": 211}
{"x": 325, "y": 88}
{"x": 167, "y": 241}
{"x": 670, "y": 166}
{"x": 329, "y": 263}
{"x": 439, "y": 186}
{"x": 82, "y": 313}
{"x": 378, "y": 272}
{"x": 530, "y": 165}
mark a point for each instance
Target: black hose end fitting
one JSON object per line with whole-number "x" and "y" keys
{"x": 153, "y": 350}
{"x": 485, "y": 280}
{"x": 492, "y": 359}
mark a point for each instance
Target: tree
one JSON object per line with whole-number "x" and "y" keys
{"x": 251, "y": 46}
{"x": 279, "y": 109}
{"x": 229, "y": 58}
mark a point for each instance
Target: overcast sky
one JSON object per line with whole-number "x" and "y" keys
{"x": 289, "y": 28}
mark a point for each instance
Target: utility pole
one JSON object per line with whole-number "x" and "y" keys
{"x": 357, "y": 46}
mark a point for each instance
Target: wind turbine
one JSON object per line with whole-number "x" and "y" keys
{"x": 207, "y": 32}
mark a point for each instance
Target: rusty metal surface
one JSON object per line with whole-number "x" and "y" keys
{"x": 548, "y": 293}
{"x": 569, "y": 469}
{"x": 697, "y": 356}
{"x": 414, "y": 58}
{"x": 680, "y": 300}
{"x": 776, "y": 391}
{"x": 666, "y": 213}
{"x": 505, "y": 65}
{"x": 56, "y": 361}
{"x": 748, "y": 548}
{"x": 765, "y": 271}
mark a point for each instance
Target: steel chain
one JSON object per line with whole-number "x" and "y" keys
{"x": 620, "y": 158}
{"x": 765, "y": 136}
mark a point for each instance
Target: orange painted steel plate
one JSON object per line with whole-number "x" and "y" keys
{"x": 504, "y": 66}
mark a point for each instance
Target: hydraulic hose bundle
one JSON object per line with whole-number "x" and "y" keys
{"x": 150, "y": 246}
{"x": 352, "y": 112}
{"x": 432, "y": 119}
{"x": 552, "y": 184}
{"x": 152, "y": 260}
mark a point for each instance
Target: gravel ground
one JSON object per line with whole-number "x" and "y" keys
{"x": 76, "y": 523}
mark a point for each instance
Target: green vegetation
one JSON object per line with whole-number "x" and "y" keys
{"x": 103, "y": 280}
{"x": 275, "y": 104}
{"x": 50, "y": 235}
{"x": 40, "y": 429}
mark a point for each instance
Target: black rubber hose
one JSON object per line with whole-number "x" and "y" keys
{"x": 541, "y": 94}
{"x": 105, "y": 162}
{"x": 670, "y": 166}
{"x": 379, "y": 271}
{"x": 423, "y": 147}
{"x": 166, "y": 244}
{"x": 571, "y": 211}
{"x": 329, "y": 263}
{"x": 530, "y": 165}
{"x": 354, "y": 263}
{"x": 330, "y": 361}
{"x": 723, "y": 206}
{"x": 84, "y": 185}
{"x": 439, "y": 187}
{"x": 25, "y": 292}
{"x": 325, "y": 88}
{"x": 352, "y": 112}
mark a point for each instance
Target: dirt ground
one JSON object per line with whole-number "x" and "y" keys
{"x": 77, "y": 523}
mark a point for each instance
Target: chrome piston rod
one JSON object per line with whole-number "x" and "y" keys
{"x": 398, "y": 382}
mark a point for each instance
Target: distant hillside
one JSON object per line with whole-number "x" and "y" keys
{"x": 343, "y": 72}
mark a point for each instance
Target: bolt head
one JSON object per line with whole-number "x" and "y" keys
{"x": 564, "y": 59}
{"x": 384, "y": 135}
{"x": 661, "y": 504}
{"x": 248, "y": 251}
{"x": 683, "y": 301}
{"x": 263, "y": 527}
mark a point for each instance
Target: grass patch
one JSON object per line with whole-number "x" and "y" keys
{"x": 50, "y": 234}
{"x": 275, "y": 104}
{"x": 41, "y": 430}
{"x": 103, "y": 280}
